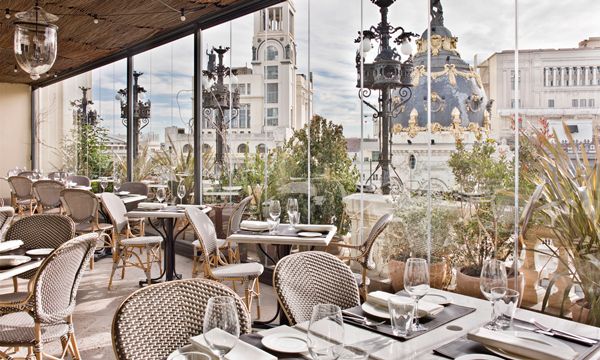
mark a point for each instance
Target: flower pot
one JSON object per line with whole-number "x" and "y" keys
{"x": 438, "y": 274}
{"x": 469, "y": 285}
{"x": 580, "y": 311}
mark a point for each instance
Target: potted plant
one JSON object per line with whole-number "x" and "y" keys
{"x": 407, "y": 237}
{"x": 570, "y": 201}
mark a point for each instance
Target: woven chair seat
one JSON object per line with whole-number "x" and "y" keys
{"x": 87, "y": 227}
{"x": 24, "y": 201}
{"x": 142, "y": 240}
{"x": 52, "y": 211}
{"x": 18, "y": 329}
{"x": 220, "y": 243}
{"x": 244, "y": 270}
{"x": 13, "y": 297}
{"x": 9, "y": 300}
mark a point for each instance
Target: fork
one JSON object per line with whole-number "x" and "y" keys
{"x": 364, "y": 320}
{"x": 564, "y": 333}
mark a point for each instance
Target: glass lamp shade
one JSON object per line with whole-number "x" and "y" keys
{"x": 406, "y": 48}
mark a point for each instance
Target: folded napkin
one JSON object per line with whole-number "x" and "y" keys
{"x": 380, "y": 298}
{"x": 241, "y": 351}
{"x": 254, "y": 225}
{"x": 518, "y": 346}
{"x": 10, "y": 245}
{"x": 150, "y": 205}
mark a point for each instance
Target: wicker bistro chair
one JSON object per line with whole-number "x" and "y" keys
{"x": 47, "y": 195}
{"x": 215, "y": 268}
{"x": 124, "y": 250}
{"x": 40, "y": 231}
{"x": 135, "y": 188}
{"x": 80, "y": 180}
{"x": 305, "y": 279}
{"x": 364, "y": 256}
{"x": 158, "y": 319}
{"x": 57, "y": 175}
{"x": 7, "y": 214}
{"x": 45, "y": 313}
{"x": 232, "y": 250}
{"x": 22, "y": 195}
{"x": 82, "y": 207}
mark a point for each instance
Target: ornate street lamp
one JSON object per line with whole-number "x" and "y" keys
{"x": 141, "y": 111}
{"x": 386, "y": 73}
{"x": 83, "y": 110}
{"x": 217, "y": 98}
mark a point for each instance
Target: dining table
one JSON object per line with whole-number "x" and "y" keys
{"x": 168, "y": 218}
{"x": 10, "y": 272}
{"x": 443, "y": 342}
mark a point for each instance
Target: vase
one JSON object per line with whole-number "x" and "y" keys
{"x": 469, "y": 285}
{"x": 438, "y": 274}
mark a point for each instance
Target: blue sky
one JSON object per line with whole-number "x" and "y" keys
{"x": 482, "y": 27}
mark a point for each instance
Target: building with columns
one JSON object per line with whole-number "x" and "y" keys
{"x": 554, "y": 84}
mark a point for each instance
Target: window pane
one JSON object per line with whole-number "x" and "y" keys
{"x": 272, "y": 116}
{"x": 272, "y": 93}
{"x": 271, "y": 72}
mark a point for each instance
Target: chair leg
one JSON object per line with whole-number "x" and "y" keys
{"x": 148, "y": 267}
{"x": 247, "y": 295}
{"x": 257, "y": 294}
{"x": 75, "y": 350}
{"x": 15, "y": 283}
{"x": 114, "y": 269}
{"x": 124, "y": 258}
{"x": 37, "y": 347}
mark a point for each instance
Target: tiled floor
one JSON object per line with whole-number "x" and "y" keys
{"x": 96, "y": 306}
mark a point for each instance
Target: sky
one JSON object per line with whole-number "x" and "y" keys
{"x": 482, "y": 27}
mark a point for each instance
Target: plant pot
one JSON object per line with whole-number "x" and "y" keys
{"x": 580, "y": 311}
{"x": 438, "y": 274}
{"x": 469, "y": 285}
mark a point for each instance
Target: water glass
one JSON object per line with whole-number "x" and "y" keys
{"x": 506, "y": 306}
{"x": 274, "y": 213}
{"x": 116, "y": 184}
{"x": 191, "y": 355}
{"x": 293, "y": 212}
{"x": 493, "y": 275}
{"x": 416, "y": 284}
{"x": 325, "y": 337}
{"x": 161, "y": 194}
{"x": 103, "y": 182}
{"x": 181, "y": 191}
{"x": 221, "y": 327}
{"x": 402, "y": 311}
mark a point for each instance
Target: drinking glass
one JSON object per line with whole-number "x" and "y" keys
{"x": 191, "y": 355}
{"x": 103, "y": 182}
{"x": 274, "y": 213}
{"x": 181, "y": 191}
{"x": 416, "y": 284}
{"x": 493, "y": 275}
{"x": 293, "y": 213}
{"x": 221, "y": 327}
{"x": 116, "y": 184}
{"x": 325, "y": 338}
{"x": 161, "y": 194}
{"x": 402, "y": 311}
{"x": 506, "y": 306}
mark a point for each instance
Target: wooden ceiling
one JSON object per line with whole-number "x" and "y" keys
{"x": 125, "y": 27}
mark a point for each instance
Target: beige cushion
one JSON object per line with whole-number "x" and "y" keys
{"x": 220, "y": 243}
{"x": 244, "y": 270}
{"x": 87, "y": 227}
{"x": 17, "y": 328}
{"x": 142, "y": 240}
{"x": 13, "y": 297}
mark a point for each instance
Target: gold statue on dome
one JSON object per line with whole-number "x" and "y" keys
{"x": 456, "y": 127}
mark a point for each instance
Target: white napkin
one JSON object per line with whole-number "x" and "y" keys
{"x": 254, "y": 225}
{"x": 10, "y": 245}
{"x": 380, "y": 298}
{"x": 517, "y": 346}
{"x": 150, "y": 205}
{"x": 241, "y": 351}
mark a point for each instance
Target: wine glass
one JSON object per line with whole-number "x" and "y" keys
{"x": 493, "y": 275}
{"x": 416, "y": 284}
{"x": 161, "y": 194}
{"x": 181, "y": 191}
{"x": 221, "y": 326}
{"x": 274, "y": 213}
{"x": 325, "y": 337}
{"x": 103, "y": 182}
{"x": 116, "y": 184}
{"x": 293, "y": 214}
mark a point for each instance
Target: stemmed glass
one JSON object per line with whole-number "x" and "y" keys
{"x": 181, "y": 191}
{"x": 274, "y": 213}
{"x": 493, "y": 276}
{"x": 103, "y": 182}
{"x": 116, "y": 184}
{"x": 416, "y": 284}
{"x": 221, "y": 327}
{"x": 325, "y": 337}
{"x": 293, "y": 213}
{"x": 161, "y": 194}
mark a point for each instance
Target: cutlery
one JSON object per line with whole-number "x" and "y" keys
{"x": 564, "y": 334}
{"x": 362, "y": 319}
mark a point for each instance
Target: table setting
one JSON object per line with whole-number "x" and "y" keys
{"x": 15, "y": 260}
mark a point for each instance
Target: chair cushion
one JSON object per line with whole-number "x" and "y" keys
{"x": 220, "y": 243}
{"x": 17, "y": 328}
{"x": 244, "y": 270}
{"x": 87, "y": 227}
{"x": 12, "y": 299}
{"x": 142, "y": 240}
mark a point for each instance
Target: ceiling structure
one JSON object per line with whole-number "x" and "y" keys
{"x": 125, "y": 28}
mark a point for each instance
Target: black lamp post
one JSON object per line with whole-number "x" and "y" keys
{"x": 141, "y": 112}
{"x": 85, "y": 114}
{"x": 386, "y": 73}
{"x": 216, "y": 99}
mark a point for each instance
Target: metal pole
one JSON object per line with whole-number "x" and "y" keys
{"x": 384, "y": 159}
{"x": 197, "y": 131}
{"x": 516, "y": 233}
{"x": 34, "y": 129}
{"x": 130, "y": 113}
{"x": 429, "y": 204}
{"x": 362, "y": 125}
{"x": 308, "y": 180}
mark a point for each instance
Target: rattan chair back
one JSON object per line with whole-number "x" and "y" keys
{"x": 6, "y": 215}
{"x": 367, "y": 247}
{"x": 80, "y": 205}
{"x": 57, "y": 175}
{"x": 55, "y": 286}
{"x": 80, "y": 180}
{"x": 236, "y": 216}
{"x": 21, "y": 187}
{"x": 42, "y": 231}
{"x": 306, "y": 279}
{"x": 204, "y": 229}
{"x": 115, "y": 209}
{"x": 156, "y": 320}
{"x": 47, "y": 193}
{"x": 29, "y": 173}
{"x": 135, "y": 188}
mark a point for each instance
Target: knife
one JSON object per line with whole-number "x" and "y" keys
{"x": 559, "y": 335}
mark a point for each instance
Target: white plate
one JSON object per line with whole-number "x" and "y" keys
{"x": 39, "y": 252}
{"x": 253, "y": 225}
{"x": 123, "y": 193}
{"x": 478, "y": 357}
{"x": 285, "y": 343}
{"x": 534, "y": 338}
{"x": 13, "y": 260}
{"x": 10, "y": 245}
{"x": 439, "y": 299}
{"x": 312, "y": 227}
{"x": 309, "y": 234}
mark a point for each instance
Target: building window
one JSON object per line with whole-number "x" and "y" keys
{"x": 242, "y": 89}
{"x": 291, "y": 22}
{"x": 261, "y": 148}
{"x": 582, "y": 103}
{"x": 412, "y": 161}
{"x": 512, "y": 79}
{"x": 272, "y": 72}
{"x": 591, "y": 103}
{"x": 512, "y": 103}
{"x": 272, "y": 53}
{"x": 242, "y": 148}
{"x": 187, "y": 148}
{"x": 272, "y": 116}
{"x": 574, "y": 103}
{"x": 244, "y": 116}
{"x": 550, "y": 103}
{"x": 272, "y": 93}
{"x": 248, "y": 89}
{"x": 206, "y": 148}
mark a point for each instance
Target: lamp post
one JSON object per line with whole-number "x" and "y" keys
{"x": 217, "y": 98}
{"x": 84, "y": 113}
{"x": 141, "y": 111}
{"x": 386, "y": 73}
